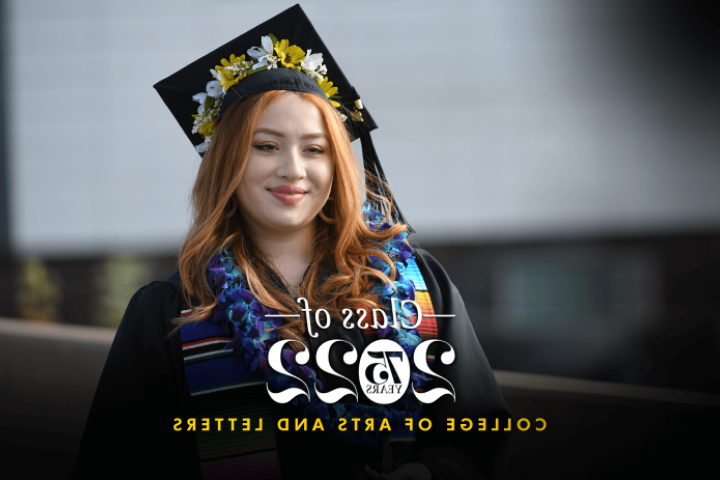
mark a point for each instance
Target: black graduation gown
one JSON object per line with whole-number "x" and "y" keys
{"x": 143, "y": 388}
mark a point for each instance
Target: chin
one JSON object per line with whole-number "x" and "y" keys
{"x": 289, "y": 220}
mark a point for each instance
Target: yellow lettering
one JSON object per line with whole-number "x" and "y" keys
{"x": 451, "y": 425}
{"x": 191, "y": 424}
{"x": 466, "y": 424}
{"x": 206, "y": 424}
{"x": 178, "y": 422}
{"x": 283, "y": 424}
{"x": 497, "y": 425}
{"x": 341, "y": 425}
{"x": 385, "y": 425}
{"x": 260, "y": 425}
{"x": 355, "y": 422}
{"x": 483, "y": 424}
{"x": 509, "y": 427}
{"x": 429, "y": 424}
{"x": 520, "y": 422}
{"x": 318, "y": 425}
{"x": 543, "y": 422}
{"x": 232, "y": 423}
{"x": 219, "y": 422}
{"x": 370, "y": 424}
{"x": 409, "y": 423}
{"x": 246, "y": 424}
{"x": 302, "y": 423}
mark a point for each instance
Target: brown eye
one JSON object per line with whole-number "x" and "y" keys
{"x": 265, "y": 147}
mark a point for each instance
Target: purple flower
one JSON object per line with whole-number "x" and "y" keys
{"x": 239, "y": 310}
{"x": 289, "y": 356}
{"x": 384, "y": 332}
{"x": 273, "y": 322}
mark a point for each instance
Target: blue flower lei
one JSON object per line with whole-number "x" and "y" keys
{"x": 254, "y": 333}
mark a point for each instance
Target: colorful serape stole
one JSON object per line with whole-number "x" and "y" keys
{"x": 428, "y": 325}
{"x": 401, "y": 439}
{"x": 222, "y": 388}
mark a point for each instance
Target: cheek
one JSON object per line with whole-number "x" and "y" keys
{"x": 253, "y": 170}
{"x": 251, "y": 184}
{"x": 323, "y": 176}
{"x": 242, "y": 194}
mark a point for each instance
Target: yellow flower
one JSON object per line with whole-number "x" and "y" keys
{"x": 288, "y": 54}
{"x": 231, "y": 72}
{"x": 207, "y": 129}
{"x": 233, "y": 61}
{"x": 329, "y": 90}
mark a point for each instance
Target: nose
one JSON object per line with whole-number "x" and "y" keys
{"x": 292, "y": 165}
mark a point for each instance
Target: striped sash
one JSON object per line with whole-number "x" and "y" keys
{"x": 401, "y": 439}
{"x": 221, "y": 388}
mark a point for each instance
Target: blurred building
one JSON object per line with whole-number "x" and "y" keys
{"x": 559, "y": 158}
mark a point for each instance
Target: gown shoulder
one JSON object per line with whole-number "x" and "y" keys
{"x": 477, "y": 394}
{"x": 477, "y": 390}
{"x": 142, "y": 388}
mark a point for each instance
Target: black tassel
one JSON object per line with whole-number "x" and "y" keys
{"x": 372, "y": 165}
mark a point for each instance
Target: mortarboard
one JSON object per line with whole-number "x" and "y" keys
{"x": 283, "y": 53}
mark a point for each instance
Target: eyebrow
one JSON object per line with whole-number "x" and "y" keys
{"x": 275, "y": 133}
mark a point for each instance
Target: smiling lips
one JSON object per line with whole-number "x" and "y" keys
{"x": 288, "y": 194}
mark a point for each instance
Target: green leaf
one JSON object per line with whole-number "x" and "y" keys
{"x": 209, "y": 103}
{"x": 273, "y": 38}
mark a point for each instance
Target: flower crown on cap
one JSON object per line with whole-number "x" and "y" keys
{"x": 272, "y": 54}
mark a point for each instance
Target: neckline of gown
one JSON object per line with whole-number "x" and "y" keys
{"x": 277, "y": 280}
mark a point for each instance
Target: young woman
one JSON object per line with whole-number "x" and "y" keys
{"x": 290, "y": 274}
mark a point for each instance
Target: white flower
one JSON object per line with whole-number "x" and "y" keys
{"x": 200, "y": 98}
{"x": 238, "y": 69}
{"x": 312, "y": 61}
{"x": 197, "y": 123}
{"x": 204, "y": 146}
{"x": 270, "y": 62}
{"x": 312, "y": 65}
{"x": 214, "y": 88}
{"x": 259, "y": 52}
{"x": 264, "y": 55}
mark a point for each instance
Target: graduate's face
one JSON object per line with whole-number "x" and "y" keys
{"x": 288, "y": 176}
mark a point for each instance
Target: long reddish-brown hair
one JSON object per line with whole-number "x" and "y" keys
{"x": 341, "y": 249}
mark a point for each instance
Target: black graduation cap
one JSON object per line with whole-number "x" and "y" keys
{"x": 178, "y": 89}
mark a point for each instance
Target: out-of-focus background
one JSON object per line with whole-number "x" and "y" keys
{"x": 561, "y": 160}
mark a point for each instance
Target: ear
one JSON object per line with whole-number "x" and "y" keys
{"x": 231, "y": 207}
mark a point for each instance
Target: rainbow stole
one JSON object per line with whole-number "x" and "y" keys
{"x": 222, "y": 388}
